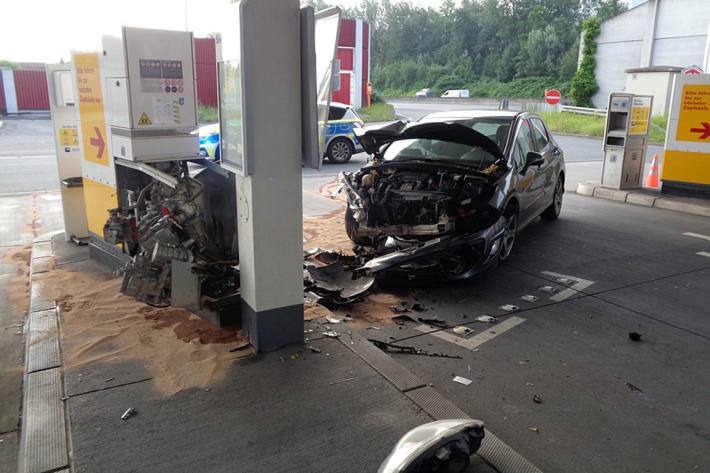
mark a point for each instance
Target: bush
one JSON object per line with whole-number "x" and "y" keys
{"x": 377, "y": 112}
{"x": 584, "y": 83}
{"x": 207, "y": 115}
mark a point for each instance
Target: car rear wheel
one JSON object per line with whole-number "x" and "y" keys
{"x": 340, "y": 150}
{"x": 553, "y": 211}
{"x": 203, "y": 153}
{"x": 510, "y": 233}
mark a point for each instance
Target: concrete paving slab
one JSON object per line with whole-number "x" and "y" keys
{"x": 610, "y": 244}
{"x": 307, "y": 425}
{"x": 681, "y": 301}
{"x": 42, "y": 249}
{"x": 600, "y": 392}
{"x": 8, "y": 452}
{"x": 12, "y": 348}
{"x": 41, "y": 265}
{"x": 67, "y": 251}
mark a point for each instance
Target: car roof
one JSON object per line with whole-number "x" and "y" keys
{"x": 464, "y": 114}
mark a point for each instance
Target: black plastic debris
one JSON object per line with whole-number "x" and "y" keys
{"x": 433, "y": 321}
{"x": 635, "y": 336}
{"x": 408, "y": 350}
{"x": 398, "y": 309}
{"x": 537, "y": 399}
{"x": 402, "y": 318}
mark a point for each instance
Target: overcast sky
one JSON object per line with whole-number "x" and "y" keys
{"x": 47, "y": 30}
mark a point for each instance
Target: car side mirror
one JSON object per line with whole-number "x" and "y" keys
{"x": 534, "y": 159}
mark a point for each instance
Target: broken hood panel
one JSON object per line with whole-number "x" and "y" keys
{"x": 372, "y": 139}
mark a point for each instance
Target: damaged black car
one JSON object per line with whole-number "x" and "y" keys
{"x": 445, "y": 197}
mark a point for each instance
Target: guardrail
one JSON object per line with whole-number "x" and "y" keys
{"x": 599, "y": 112}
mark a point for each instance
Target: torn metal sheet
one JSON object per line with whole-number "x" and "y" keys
{"x": 336, "y": 285}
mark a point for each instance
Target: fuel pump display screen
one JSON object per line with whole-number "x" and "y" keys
{"x": 160, "y": 69}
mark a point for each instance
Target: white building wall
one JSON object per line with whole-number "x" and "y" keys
{"x": 618, "y": 48}
{"x": 677, "y": 35}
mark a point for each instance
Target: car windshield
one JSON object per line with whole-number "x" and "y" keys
{"x": 496, "y": 129}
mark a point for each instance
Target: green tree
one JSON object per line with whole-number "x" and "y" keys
{"x": 584, "y": 83}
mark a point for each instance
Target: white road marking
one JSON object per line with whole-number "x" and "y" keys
{"x": 697, "y": 235}
{"x": 703, "y": 253}
{"x": 578, "y": 286}
{"x": 478, "y": 339}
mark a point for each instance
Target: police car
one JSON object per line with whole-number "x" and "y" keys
{"x": 340, "y": 141}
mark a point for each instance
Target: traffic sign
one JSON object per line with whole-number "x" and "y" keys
{"x": 692, "y": 70}
{"x": 552, "y": 96}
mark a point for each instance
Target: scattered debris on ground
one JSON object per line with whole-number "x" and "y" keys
{"x": 635, "y": 336}
{"x": 433, "y": 321}
{"x": 463, "y": 330}
{"x": 534, "y": 429}
{"x": 408, "y": 350}
{"x": 130, "y": 412}
{"x": 537, "y": 399}
{"x": 462, "y": 380}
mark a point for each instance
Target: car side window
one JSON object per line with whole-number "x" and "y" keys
{"x": 523, "y": 144}
{"x": 539, "y": 133}
{"x": 336, "y": 113}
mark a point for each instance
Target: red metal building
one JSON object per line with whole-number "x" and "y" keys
{"x": 353, "y": 55}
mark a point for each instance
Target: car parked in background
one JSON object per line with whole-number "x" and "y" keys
{"x": 209, "y": 141}
{"x": 459, "y": 93}
{"x": 340, "y": 140}
{"x": 424, "y": 93}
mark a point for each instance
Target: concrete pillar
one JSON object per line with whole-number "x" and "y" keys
{"x": 269, "y": 198}
{"x": 8, "y": 82}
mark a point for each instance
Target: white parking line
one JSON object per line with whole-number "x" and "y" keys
{"x": 703, "y": 253}
{"x": 578, "y": 286}
{"x": 478, "y": 339}
{"x": 697, "y": 235}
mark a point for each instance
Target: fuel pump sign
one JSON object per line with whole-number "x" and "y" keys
{"x": 686, "y": 157}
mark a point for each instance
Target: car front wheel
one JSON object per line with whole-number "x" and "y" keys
{"x": 340, "y": 150}
{"x": 510, "y": 234}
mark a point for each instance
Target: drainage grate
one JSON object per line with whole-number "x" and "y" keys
{"x": 43, "y": 445}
